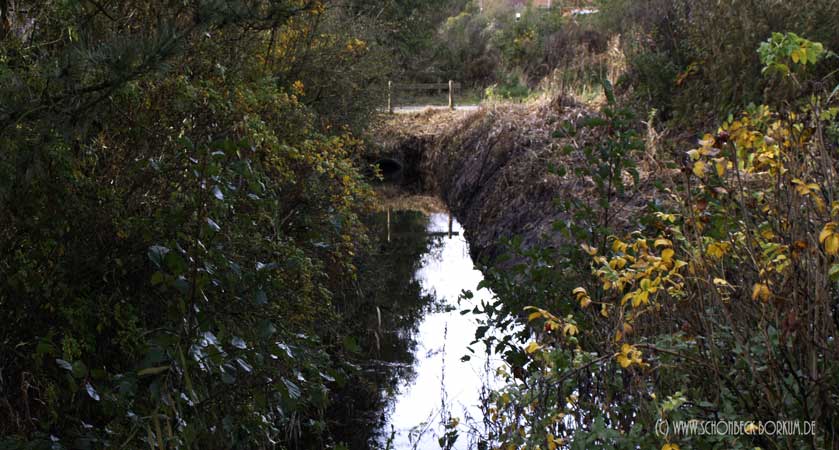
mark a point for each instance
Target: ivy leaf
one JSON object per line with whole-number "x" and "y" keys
{"x": 244, "y": 365}
{"x": 91, "y": 391}
{"x": 64, "y": 364}
{"x": 293, "y": 390}
{"x": 157, "y": 253}
{"x": 238, "y": 343}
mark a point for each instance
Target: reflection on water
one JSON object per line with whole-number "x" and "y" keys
{"x": 382, "y": 309}
{"x": 444, "y": 384}
{"x": 409, "y": 338}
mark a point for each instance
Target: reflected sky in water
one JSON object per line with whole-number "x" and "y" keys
{"x": 442, "y": 339}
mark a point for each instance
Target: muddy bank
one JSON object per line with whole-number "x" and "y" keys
{"x": 491, "y": 168}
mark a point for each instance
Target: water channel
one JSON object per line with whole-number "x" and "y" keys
{"x": 444, "y": 386}
{"x": 409, "y": 338}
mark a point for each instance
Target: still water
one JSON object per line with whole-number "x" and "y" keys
{"x": 442, "y": 385}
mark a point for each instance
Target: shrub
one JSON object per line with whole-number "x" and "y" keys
{"x": 712, "y": 46}
{"x": 720, "y": 303}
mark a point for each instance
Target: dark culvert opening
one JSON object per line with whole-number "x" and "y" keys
{"x": 391, "y": 169}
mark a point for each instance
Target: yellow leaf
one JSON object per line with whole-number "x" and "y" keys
{"x": 533, "y": 316}
{"x": 670, "y": 447}
{"x": 831, "y": 244}
{"x": 588, "y": 249}
{"x": 553, "y": 442}
{"x": 667, "y": 255}
{"x": 623, "y": 361}
{"x": 820, "y": 205}
{"x": 640, "y": 298}
{"x": 694, "y": 155}
{"x": 570, "y": 329}
{"x": 661, "y": 242}
{"x": 628, "y": 355}
{"x": 604, "y": 310}
{"x": 720, "y": 165}
{"x": 717, "y": 249}
{"x": 618, "y": 246}
{"x": 585, "y": 302}
{"x": 805, "y": 189}
{"x": 532, "y": 347}
{"x": 826, "y": 231}
{"x": 699, "y": 169}
{"x": 761, "y": 291}
{"x": 617, "y": 263}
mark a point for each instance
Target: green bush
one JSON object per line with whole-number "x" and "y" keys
{"x": 175, "y": 223}
{"x": 712, "y": 47}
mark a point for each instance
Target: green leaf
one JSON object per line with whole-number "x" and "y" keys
{"x": 266, "y": 329}
{"x": 609, "y": 91}
{"x": 261, "y": 298}
{"x": 175, "y": 263}
{"x": 152, "y": 371}
{"x": 833, "y": 273}
{"x": 292, "y": 389}
{"x": 157, "y": 278}
{"x": 79, "y": 369}
{"x": 157, "y": 253}
{"x": 213, "y": 225}
{"x": 91, "y": 391}
{"x": 64, "y": 364}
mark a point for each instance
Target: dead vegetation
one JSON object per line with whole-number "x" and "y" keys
{"x": 395, "y": 198}
{"x": 491, "y": 168}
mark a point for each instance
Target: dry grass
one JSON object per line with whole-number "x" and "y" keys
{"x": 491, "y": 168}
{"x": 394, "y": 198}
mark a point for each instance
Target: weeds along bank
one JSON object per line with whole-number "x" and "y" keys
{"x": 660, "y": 286}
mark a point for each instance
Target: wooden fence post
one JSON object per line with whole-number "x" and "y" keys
{"x": 451, "y": 94}
{"x": 389, "y": 99}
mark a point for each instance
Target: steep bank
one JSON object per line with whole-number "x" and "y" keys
{"x": 493, "y": 169}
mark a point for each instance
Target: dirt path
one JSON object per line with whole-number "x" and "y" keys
{"x": 424, "y": 108}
